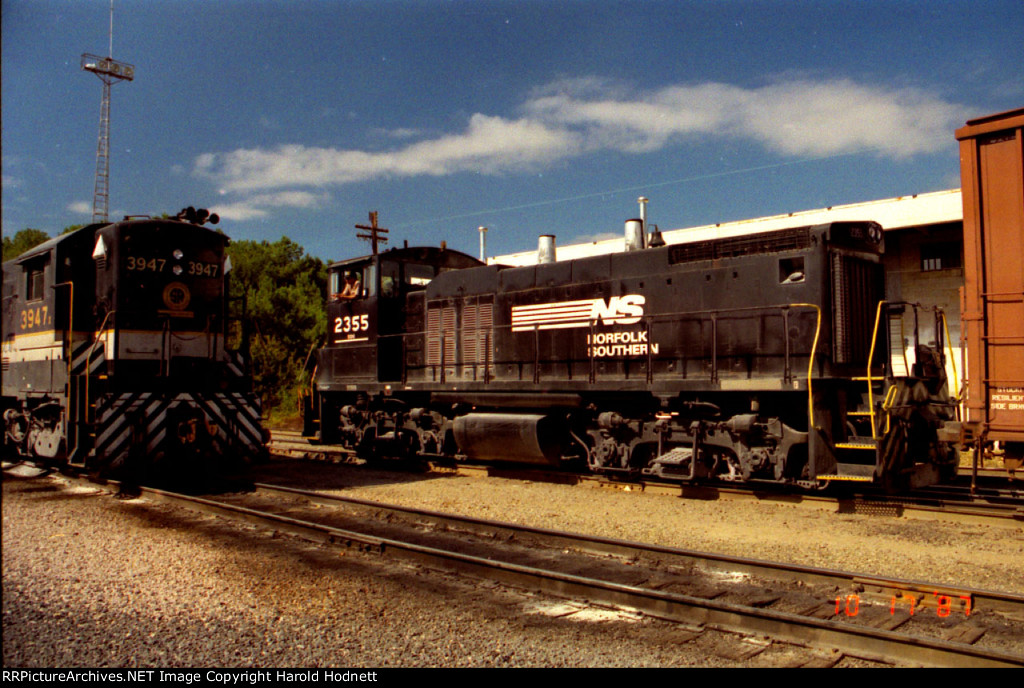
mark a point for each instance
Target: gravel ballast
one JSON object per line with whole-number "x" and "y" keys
{"x": 968, "y": 555}
{"x": 91, "y": 581}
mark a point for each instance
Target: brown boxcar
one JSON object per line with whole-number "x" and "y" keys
{"x": 992, "y": 174}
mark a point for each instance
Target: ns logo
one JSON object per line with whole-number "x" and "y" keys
{"x": 617, "y": 310}
{"x": 620, "y": 310}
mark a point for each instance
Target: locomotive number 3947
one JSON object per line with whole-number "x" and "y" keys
{"x": 351, "y": 323}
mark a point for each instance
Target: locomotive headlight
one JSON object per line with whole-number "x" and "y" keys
{"x": 177, "y": 270}
{"x": 178, "y": 255}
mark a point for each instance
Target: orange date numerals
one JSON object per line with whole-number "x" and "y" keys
{"x": 851, "y": 607}
{"x": 943, "y": 603}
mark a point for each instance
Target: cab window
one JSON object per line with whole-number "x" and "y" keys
{"x": 418, "y": 276}
{"x": 35, "y": 281}
{"x": 370, "y": 280}
{"x": 389, "y": 279}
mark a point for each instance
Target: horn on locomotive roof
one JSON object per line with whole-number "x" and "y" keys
{"x": 197, "y": 217}
{"x": 546, "y": 249}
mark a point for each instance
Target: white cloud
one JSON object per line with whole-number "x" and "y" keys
{"x": 570, "y": 118}
{"x": 793, "y": 118}
{"x": 260, "y": 205}
{"x": 490, "y": 145}
{"x": 80, "y": 208}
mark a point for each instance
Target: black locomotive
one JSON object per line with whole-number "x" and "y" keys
{"x": 114, "y": 350}
{"x": 759, "y": 357}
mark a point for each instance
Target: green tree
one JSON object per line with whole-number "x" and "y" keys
{"x": 23, "y": 241}
{"x": 278, "y": 292}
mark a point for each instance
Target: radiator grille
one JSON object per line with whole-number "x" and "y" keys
{"x": 856, "y": 291}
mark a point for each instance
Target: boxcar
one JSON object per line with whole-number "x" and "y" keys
{"x": 992, "y": 175}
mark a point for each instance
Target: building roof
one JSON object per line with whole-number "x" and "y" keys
{"x": 892, "y": 213}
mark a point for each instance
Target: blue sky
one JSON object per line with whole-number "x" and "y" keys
{"x": 530, "y": 117}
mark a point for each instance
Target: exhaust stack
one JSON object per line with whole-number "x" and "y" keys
{"x": 636, "y": 229}
{"x": 546, "y": 249}
{"x": 634, "y": 235}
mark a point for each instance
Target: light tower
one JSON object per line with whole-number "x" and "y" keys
{"x": 110, "y": 71}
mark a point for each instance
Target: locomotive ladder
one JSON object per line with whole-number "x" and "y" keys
{"x": 896, "y": 341}
{"x": 871, "y": 444}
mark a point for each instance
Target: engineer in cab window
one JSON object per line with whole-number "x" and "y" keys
{"x": 353, "y": 286}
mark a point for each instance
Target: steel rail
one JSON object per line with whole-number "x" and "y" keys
{"x": 593, "y": 544}
{"x": 979, "y": 510}
{"x": 867, "y": 643}
{"x": 858, "y": 641}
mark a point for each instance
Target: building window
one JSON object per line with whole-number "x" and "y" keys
{"x": 944, "y": 256}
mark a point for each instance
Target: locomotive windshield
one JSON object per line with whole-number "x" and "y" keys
{"x": 418, "y": 276}
{"x": 355, "y": 281}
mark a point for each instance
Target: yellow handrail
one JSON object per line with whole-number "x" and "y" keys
{"x": 71, "y": 353}
{"x": 871, "y": 359}
{"x": 952, "y": 358}
{"x": 890, "y": 397}
{"x": 810, "y": 364}
{"x": 88, "y": 359}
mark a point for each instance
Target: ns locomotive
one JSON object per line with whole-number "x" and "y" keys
{"x": 114, "y": 351}
{"x": 755, "y": 358}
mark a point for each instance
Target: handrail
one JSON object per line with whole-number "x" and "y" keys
{"x": 88, "y": 358}
{"x": 71, "y": 351}
{"x": 952, "y": 357}
{"x": 810, "y": 363}
{"x": 871, "y": 358}
{"x": 890, "y": 399}
{"x": 870, "y": 379}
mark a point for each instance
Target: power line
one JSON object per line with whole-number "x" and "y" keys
{"x": 641, "y": 187}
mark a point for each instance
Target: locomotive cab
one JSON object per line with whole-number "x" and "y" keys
{"x": 374, "y": 303}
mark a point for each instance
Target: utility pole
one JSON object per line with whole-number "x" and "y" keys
{"x": 374, "y": 232}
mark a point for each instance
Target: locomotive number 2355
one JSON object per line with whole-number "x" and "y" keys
{"x": 351, "y": 323}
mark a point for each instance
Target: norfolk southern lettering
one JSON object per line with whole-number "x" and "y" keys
{"x": 632, "y": 343}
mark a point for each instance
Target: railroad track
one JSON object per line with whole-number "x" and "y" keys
{"x": 948, "y": 503}
{"x": 881, "y": 620}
